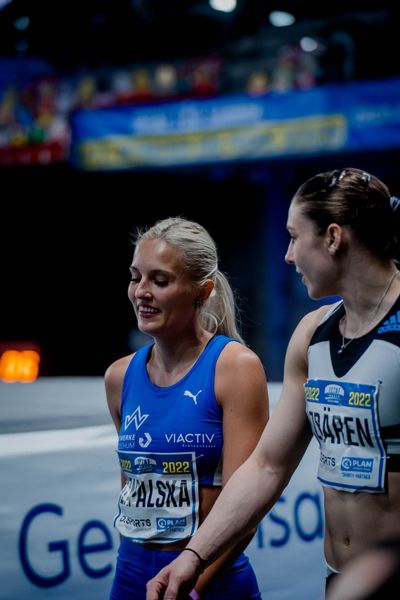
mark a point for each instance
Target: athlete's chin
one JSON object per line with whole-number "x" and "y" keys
{"x": 146, "y": 327}
{"x": 318, "y": 294}
{"x": 313, "y": 292}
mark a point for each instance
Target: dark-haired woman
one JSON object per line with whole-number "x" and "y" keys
{"x": 341, "y": 382}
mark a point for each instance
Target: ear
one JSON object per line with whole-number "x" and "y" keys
{"x": 205, "y": 290}
{"x": 334, "y": 238}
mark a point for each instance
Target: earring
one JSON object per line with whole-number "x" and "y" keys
{"x": 197, "y": 302}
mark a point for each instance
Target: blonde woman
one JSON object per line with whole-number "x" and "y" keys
{"x": 189, "y": 408}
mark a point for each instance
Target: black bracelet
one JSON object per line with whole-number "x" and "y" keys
{"x": 203, "y": 561}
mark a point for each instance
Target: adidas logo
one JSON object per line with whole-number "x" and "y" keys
{"x": 392, "y": 323}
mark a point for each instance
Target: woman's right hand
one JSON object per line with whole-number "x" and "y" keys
{"x": 176, "y": 580}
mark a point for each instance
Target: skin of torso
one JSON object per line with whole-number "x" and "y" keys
{"x": 355, "y": 520}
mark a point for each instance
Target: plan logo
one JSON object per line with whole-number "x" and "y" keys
{"x": 171, "y": 523}
{"x": 357, "y": 464}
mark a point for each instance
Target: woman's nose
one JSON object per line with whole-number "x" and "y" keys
{"x": 142, "y": 289}
{"x": 289, "y": 254}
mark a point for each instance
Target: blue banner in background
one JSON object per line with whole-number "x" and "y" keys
{"x": 334, "y": 118}
{"x": 57, "y": 539}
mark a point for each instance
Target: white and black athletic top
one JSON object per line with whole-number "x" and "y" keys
{"x": 353, "y": 402}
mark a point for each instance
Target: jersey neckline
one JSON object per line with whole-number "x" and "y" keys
{"x": 161, "y": 388}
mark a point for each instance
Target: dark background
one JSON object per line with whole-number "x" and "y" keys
{"x": 75, "y": 34}
{"x": 70, "y": 247}
{"x": 66, "y": 234}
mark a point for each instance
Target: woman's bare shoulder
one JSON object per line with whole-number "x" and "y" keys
{"x": 116, "y": 371}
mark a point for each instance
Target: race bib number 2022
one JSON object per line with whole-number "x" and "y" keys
{"x": 344, "y": 419}
{"x": 160, "y": 499}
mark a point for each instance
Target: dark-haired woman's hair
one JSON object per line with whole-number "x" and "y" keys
{"x": 359, "y": 200}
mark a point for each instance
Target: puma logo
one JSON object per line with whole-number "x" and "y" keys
{"x": 192, "y": 396}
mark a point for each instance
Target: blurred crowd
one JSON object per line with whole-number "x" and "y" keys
{"x": 34, "y": 110}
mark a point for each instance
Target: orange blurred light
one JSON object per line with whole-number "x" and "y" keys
{"x": 19, "y": 366}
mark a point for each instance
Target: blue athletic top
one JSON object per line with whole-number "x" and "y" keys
{"x": 170, "y": 442}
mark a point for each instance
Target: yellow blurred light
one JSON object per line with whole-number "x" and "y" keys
{"x": 19, "y": 366}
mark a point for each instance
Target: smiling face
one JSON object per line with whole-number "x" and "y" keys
{"x": 309, "y": 252}
{"x": 161, "y": 291}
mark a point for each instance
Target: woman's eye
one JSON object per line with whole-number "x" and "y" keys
{"x": 135, "y": 279}
{"x": 161, "y": 282}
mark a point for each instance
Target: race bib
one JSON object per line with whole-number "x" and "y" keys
{"x": 160, "y": 500}
{"x": 344, "y": 419}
